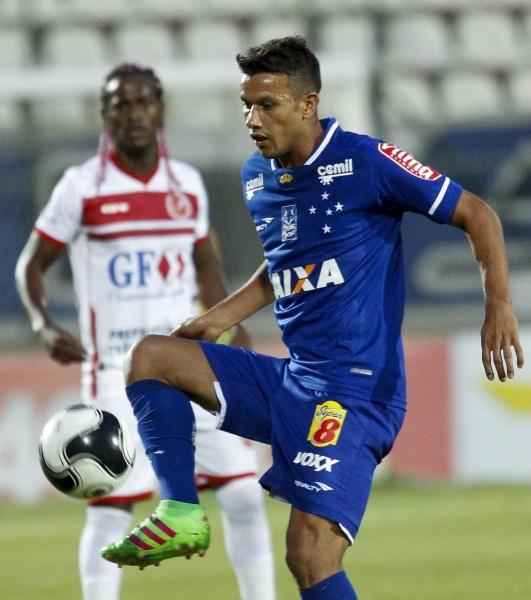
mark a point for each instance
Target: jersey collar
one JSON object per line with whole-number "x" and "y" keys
{"x": 124, "y": 169}
{"x": 330, "y": 126}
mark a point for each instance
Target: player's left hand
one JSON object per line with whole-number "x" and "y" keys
{"x": 198, "y": 328}
{"x": 499, "y": 336}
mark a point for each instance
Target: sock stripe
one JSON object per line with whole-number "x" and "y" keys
{"x": 162, "y": 526}
{"x": 138, "y": 542}
{"x": 152, "y": 535}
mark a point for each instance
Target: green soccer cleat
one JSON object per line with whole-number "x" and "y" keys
{"x": 174, "y": 529}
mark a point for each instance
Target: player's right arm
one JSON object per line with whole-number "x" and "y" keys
{"x": 35, "y": 259}
{"x": 254, "y": 295}
{"x": 57, "y": 226}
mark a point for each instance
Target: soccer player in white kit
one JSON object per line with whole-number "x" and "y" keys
{"x": 135, "y": 224}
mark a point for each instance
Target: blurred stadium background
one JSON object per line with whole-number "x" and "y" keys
{"x": 449, "y": 80}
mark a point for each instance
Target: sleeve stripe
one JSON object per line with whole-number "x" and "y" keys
{"x": 54, "y": 241}
{"x": 440, "y": 196}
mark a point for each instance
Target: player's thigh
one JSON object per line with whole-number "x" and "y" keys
{"x": 178, "y": 362}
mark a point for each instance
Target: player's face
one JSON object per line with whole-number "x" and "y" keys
{"x": 276, "y": 113}
{"x": 133, "y": 114}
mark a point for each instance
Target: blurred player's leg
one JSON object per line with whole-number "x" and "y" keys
{"x": 101, "y": 580}
{"x": 247, "y": 538}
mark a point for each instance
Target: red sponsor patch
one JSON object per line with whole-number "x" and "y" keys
{"x": 408, "y": 162}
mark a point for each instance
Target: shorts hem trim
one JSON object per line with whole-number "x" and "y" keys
{"x": 346, "y": 532}
{"x": 223, "y": 405}
{"x": 314, "y": 510}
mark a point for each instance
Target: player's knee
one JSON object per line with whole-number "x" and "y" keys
{"x": 142, "y": 359}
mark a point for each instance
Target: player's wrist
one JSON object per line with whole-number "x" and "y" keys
{"x": 498, "y": 302}
{"x": 39, "y": 323}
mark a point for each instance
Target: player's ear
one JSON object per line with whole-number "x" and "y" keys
{"x": 311, "y": 103}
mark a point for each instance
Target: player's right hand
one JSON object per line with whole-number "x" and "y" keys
{"x": 61, "y": 345}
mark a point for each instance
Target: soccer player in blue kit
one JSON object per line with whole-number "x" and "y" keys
{"x": 327, "y": 205}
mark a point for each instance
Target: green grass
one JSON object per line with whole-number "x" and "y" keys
{"x": 417, "y": 543}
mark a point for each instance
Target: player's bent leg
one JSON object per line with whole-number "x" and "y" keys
{"x": 101, "y": 580}
{"x": 160, "y": 370}
{"x": 247, "y": 538}
{"x": 315, "y": 550}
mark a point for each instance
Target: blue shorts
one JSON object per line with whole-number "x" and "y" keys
{"x": 325, "y": 448}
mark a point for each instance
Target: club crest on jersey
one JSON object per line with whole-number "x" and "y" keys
{"x": 285, "y": 178}
{"x": 307, "y": 278}
{"x": 327, "y": 173}
{"x": 288, "y": 214}
{"x": 254, "y": 185}
{"x": 179, "y": 205}
{"x": 327, "y": 424}
{"x": 407, "y": 162}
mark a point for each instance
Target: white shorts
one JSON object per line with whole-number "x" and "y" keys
{"x": 219, "y": 456}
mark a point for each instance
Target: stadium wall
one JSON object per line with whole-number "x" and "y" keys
{"x": 459, "y": 426}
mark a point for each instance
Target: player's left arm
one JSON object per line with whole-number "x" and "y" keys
{"x": 499, "y": 334}
{"x": 211, "y": 287}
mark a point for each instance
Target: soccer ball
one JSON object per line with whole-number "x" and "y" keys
{"x": 86, "y": 452}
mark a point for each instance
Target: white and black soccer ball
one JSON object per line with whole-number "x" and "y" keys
{"x": 86, "y": 452}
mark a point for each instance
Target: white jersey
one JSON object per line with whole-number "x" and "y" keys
{"x": 131, "y": 244}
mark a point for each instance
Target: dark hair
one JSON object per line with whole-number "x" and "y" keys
{"x": 130, "y": 70}
{"x": 289, "y": 55}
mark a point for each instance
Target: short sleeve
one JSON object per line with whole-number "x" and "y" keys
{"x": 404, "y": 182}
{"x": 60, "y": 219}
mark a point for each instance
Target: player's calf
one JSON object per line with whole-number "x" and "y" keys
{"x": 315, "y": 548}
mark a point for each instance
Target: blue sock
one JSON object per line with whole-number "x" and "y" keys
{"x": 166, "y": 425}
{"x": 336, "y": 587}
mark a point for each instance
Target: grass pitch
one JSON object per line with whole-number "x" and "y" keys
{"x": 417, "y": 543}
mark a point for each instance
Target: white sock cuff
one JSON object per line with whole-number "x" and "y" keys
{"x": 108, "y": 517}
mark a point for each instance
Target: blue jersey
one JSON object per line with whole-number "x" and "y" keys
{"x": 330, "y": 230}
